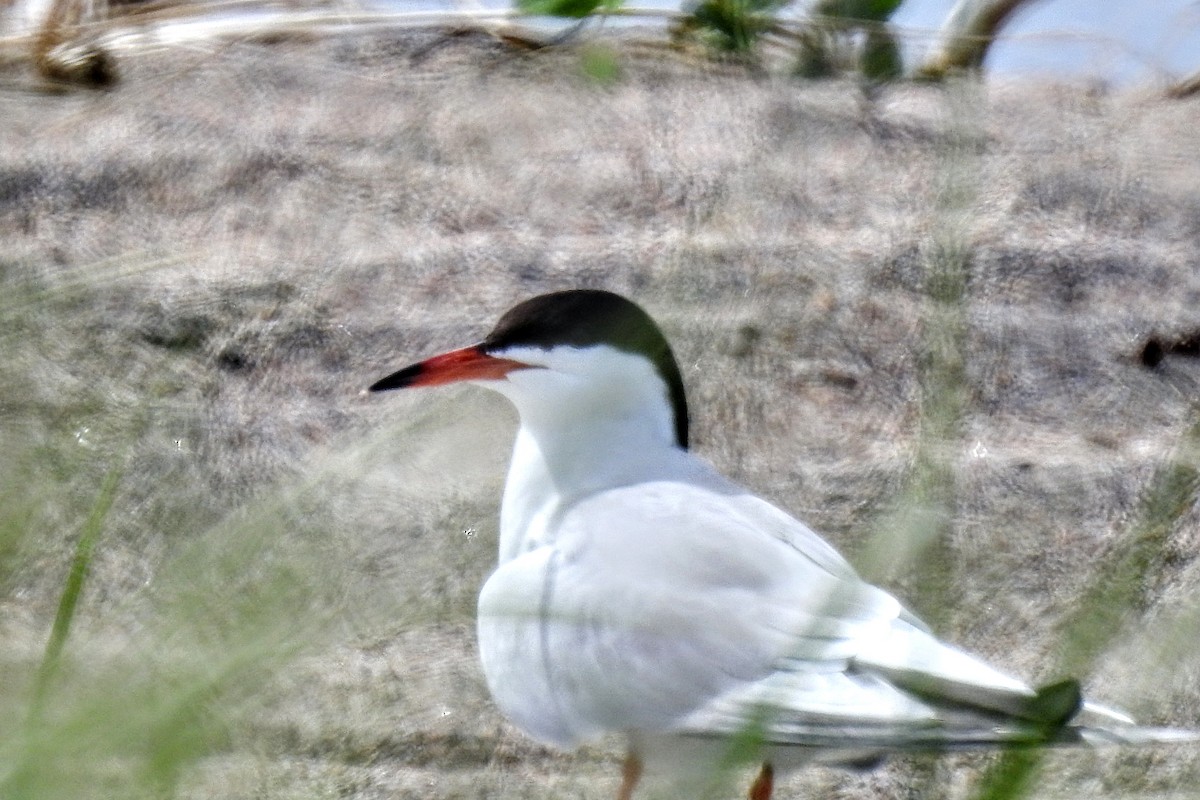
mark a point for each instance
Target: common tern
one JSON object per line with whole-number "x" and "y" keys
{"x": 639, "y": 592}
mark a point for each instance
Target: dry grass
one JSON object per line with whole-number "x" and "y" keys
{"x": 202, "y": 268}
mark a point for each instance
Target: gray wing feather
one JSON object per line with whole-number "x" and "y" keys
{"x": 700, "y": 610}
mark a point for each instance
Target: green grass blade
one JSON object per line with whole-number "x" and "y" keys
{"x": 69, "y": 602}
{"x": 22, "y": 782}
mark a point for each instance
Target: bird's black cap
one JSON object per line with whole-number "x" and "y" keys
{"x": 590, "y": 317}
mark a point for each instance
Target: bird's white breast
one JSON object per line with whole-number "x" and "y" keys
{"x": 512, "y": 646}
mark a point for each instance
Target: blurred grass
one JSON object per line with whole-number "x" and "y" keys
{"x": 23, "y": 781}
{"x": 1111, "y": 604}
{"x": 72, "y": 589}
{"x": 139, "y": 683}
{"x": 913, "y": 539}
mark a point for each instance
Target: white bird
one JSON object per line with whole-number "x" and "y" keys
{"x": 640, "y": 592}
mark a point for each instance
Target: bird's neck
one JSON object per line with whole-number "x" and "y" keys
{"x": 556, "y": 462}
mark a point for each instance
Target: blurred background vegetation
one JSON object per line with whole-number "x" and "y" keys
{"x": 77, "y": 42}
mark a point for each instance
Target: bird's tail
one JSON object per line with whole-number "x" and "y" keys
{"x": 1099, "y": 725}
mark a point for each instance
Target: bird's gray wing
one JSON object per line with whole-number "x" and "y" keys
{"x": 899, "y": 685}
{"x": 672, "y": 606}
{"x": 658, "y": 599}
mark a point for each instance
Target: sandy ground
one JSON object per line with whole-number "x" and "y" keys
{"x": 203, "y": 267}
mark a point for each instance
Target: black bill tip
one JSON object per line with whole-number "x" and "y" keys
{"x": 406, "y": 377}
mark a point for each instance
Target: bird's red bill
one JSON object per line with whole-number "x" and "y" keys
{"x": 468, "y": 364}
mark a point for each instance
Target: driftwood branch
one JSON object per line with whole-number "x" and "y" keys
{"x": 1187, "y": 87}
{"x": 967, "y": 34}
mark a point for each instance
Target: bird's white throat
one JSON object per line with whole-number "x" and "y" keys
{"x": 591, "y": 419}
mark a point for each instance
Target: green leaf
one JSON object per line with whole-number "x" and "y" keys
{"x": 600, "y": 65}
{"x": 736, "y": 24}
{"x": 814, "y": 57}
{"x": 573, "y": 9}
{"x": 880, "y": 60}
{"x": 869, "y": 10}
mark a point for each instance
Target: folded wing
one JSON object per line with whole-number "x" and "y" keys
{"x": 703, "y": 610}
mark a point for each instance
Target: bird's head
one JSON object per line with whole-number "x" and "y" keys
{"x": 574, "y": 355}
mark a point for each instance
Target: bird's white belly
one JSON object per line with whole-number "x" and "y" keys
{"x": 568, "y": 663}
{"x": 554, "y": 666}
{"x": 512, "y": 646}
